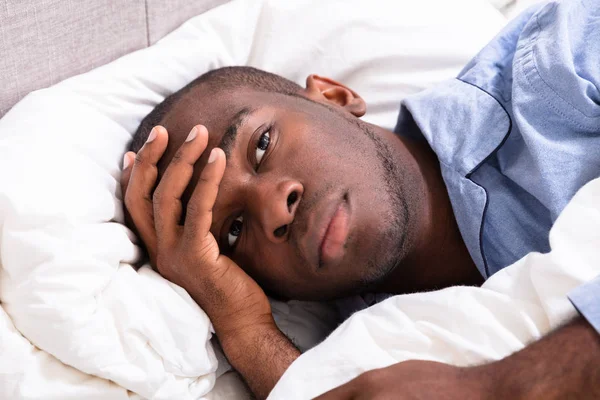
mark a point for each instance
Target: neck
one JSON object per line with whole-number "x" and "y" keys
{"x": 438, "y": 257}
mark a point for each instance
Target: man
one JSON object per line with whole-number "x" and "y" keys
{"x": 313, "y": 203}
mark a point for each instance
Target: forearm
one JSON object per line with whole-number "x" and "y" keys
{"x": 261, "y": 355}
{"x": 253, "y": 344}
{"x": 564, "y": 364}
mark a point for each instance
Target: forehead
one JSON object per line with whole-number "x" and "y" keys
{"x": 200, "y": 106}
{"x": 217, "y": 110}
{"x": 213, "y": 110}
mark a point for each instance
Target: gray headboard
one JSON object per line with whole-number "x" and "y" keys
{"x": 45, "y": 41}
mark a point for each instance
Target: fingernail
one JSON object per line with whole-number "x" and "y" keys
{"x": 192, "y": 134}
{"x": 213, "y": 155}
{"x": 126, "y": 161}
{"x": 151, "y": 136}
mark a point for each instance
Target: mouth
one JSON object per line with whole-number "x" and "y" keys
{"x": 333, "y": 232}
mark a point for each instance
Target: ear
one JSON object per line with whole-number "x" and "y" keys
{"x": 326, "y": 90}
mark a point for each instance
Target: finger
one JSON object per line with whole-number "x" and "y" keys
{"x": 167, "y": 197}
{"x": 142, "y": 179}
{"x": 128, "y": 160}
{"x": 200, "y": 207}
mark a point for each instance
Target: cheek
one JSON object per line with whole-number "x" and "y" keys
{"x": 330, "y": 164}
{"x": 269, "y": 266}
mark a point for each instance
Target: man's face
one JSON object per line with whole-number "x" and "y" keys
{"x": 312, "y": 203}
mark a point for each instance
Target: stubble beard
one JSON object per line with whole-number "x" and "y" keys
{"x": 395, "y": 240}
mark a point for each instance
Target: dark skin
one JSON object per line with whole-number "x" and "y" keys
{"x": 300, "y": 160}
{"x": 563, "y": 365}
{"x": 393, "y": 241}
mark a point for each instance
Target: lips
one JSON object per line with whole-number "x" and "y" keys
{"x": 333, "y": 242}
{"x": 328, "y": 229}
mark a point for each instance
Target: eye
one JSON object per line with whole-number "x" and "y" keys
{"x": 235, "y": 231}
{"x": 262, "y": 145}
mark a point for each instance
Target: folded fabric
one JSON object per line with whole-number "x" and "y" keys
{"x": 27, "y": 373}
{"x": 462, "y": 325}
{"x": 66, "y": 275}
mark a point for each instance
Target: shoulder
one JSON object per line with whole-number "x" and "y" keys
{"x": 557, "y": 61}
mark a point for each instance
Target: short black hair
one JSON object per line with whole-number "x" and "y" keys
{"x": 225, "y": 78}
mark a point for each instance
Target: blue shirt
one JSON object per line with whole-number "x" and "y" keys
{"x": 517, "y": 133}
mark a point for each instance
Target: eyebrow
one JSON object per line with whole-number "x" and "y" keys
{"x": 229, "y": 137}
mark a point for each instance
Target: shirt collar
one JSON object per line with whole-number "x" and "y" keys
{"x": 463, "y": 124}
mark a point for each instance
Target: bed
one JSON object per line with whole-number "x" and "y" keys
{"x": 38, "y": 51}
{"x": 51, "y": 304}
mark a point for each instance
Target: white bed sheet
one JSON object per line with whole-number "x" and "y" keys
{"x": 462, "y": 325}
{"x": 66, "y": 282}
{"x": 512, "y": 8}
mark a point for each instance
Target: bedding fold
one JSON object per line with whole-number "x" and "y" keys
{"x": 462, "y": 325}
{"x": 67, "y": 279}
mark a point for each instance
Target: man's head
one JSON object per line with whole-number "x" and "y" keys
{"x": 314, "y": 202}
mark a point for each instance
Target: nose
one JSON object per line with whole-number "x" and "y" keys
{"x": 277, "y": 205}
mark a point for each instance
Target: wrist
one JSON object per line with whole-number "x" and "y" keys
{"x": 238, "y": 340}
{"x": 261, "y": 353}
{"x": 232, "y": 312}
{"x": 232, "y": 322}
{"x": 237, "y": 329}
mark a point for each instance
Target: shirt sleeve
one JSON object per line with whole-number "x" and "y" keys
{"x": 563, "y": 68}
{"x": 563, "y": 42}
{"x": 586, "y": 299}
{"x": 580, "y": 19}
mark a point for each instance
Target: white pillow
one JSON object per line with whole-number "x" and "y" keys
{"x": 65, "y": 257}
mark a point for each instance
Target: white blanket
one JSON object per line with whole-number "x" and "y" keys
{"x": 462, "y": 325}
{"x": 28, "y": 373}
{"x": 65, "y": 276}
